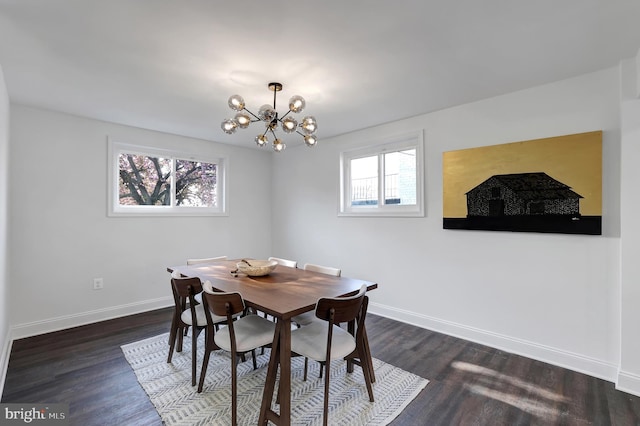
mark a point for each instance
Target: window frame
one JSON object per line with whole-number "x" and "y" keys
{"x": 115, "y": 148}
{"x": 383, "y": 146}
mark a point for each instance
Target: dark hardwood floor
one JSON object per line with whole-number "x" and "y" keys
{"x": 470, "y": 384}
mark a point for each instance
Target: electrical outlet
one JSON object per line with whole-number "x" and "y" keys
{"x": 98, "y": 283}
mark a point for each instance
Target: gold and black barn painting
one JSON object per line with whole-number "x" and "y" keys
{"x": 543, "y": 185}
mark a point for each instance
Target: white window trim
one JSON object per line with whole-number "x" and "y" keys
{"x": 391, "y": 143}
{"x": 114, "y": 207}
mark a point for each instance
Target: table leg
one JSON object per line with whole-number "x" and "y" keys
{"x": 285, "y": 373}
{"x": 280, "y": 356}
{"x": 272, "y": 372}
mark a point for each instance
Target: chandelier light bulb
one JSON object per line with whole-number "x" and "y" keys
{"x": 236, "y": 103}
{"x": 278, "y": 145}
{"x": 261, "y": 140}
{"x": 229, "y": 126}
{"x": 296, "y": 104}
{"x": 310, "y": 140}
{"x": 243, "y": 120}
{"x": 309, "y": 125}
{"x": 289, "y": 124}
{"x": 266, "y": 112}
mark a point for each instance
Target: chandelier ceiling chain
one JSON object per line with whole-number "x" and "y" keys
{"x": 270, "y": 117}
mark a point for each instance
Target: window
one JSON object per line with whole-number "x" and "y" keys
{"x": 383, "y": 180}
{"x": 149, "y": 181}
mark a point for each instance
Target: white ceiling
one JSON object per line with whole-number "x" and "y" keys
{"x": 171, "y": 65}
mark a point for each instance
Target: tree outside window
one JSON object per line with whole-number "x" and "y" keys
{"x": 148, "y": 182}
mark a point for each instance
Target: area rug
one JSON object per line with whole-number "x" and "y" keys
{"x": 178, "y": 403}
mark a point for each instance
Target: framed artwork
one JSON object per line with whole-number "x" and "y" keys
{"x": 542, "y": 185}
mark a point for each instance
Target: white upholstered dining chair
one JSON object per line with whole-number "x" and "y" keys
{"x": 205, "y": 260}
{"x": 187, "y": 313}
{"x": 322, "y": 269}
{"x": 241, "y": 335}
{"x": 324, "y": 340}
{"x": 285, "y": 262}
{"x": 308, "y": 317}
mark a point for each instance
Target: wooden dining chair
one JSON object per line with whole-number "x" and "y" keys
{"x": 187, "y": 313}
{"x": 241, "y": 335}
{"x": 324, "y": 341}
{"x": 285, "y": 262}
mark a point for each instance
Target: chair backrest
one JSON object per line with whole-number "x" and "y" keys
{"x": 184, "y": 290}
{"x": 285, "y": 262}
{"x": 186, "y": 287}
{"x": 205, "y": 260}
{"x": 328, "y": 270}
{"x": 337, "y": 310}
{"x": 222, "y": 304}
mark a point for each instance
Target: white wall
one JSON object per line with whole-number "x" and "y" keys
{"x": 629, "y": 375}
{"x": 4, "y": 194}
{"x": 61, "y": 237}
{"x": 548, "y": 296}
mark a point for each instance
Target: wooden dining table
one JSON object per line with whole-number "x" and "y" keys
{"x": 283, "y": 294}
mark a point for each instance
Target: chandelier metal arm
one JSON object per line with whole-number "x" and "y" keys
{"x": 254, "y": 116}
{"x": 285, "y": 114}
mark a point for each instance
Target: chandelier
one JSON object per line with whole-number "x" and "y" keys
{"x": 268, "y": 114}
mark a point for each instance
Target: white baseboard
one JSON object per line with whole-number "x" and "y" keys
{"x": 629, "y": 383}
{"x": 4, "y": 359}
{"x": 572, "y": 361}
{"x": 60, "y": 323}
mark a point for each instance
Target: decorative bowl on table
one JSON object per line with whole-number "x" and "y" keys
{"x": 256, "y": 268}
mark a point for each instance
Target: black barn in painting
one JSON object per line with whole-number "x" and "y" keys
{"x": 529, "y": 202}
{"x": 522, "y": 194}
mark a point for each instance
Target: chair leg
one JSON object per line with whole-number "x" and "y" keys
{"x": 203, "y": 370}
{"x": 234, "y": 390}
{"x": 325, "y": 413}
{"x": 253, "y": 356}
{"x": 366, "y": 371}
{"x": 367, "y": 354}
{"x": 172, "y": 344}
{"x": 194, "y": 355}
{"x": 180, "y": 338}
{"x": 306, "y": 365}
{"x": 173, "y": 329}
